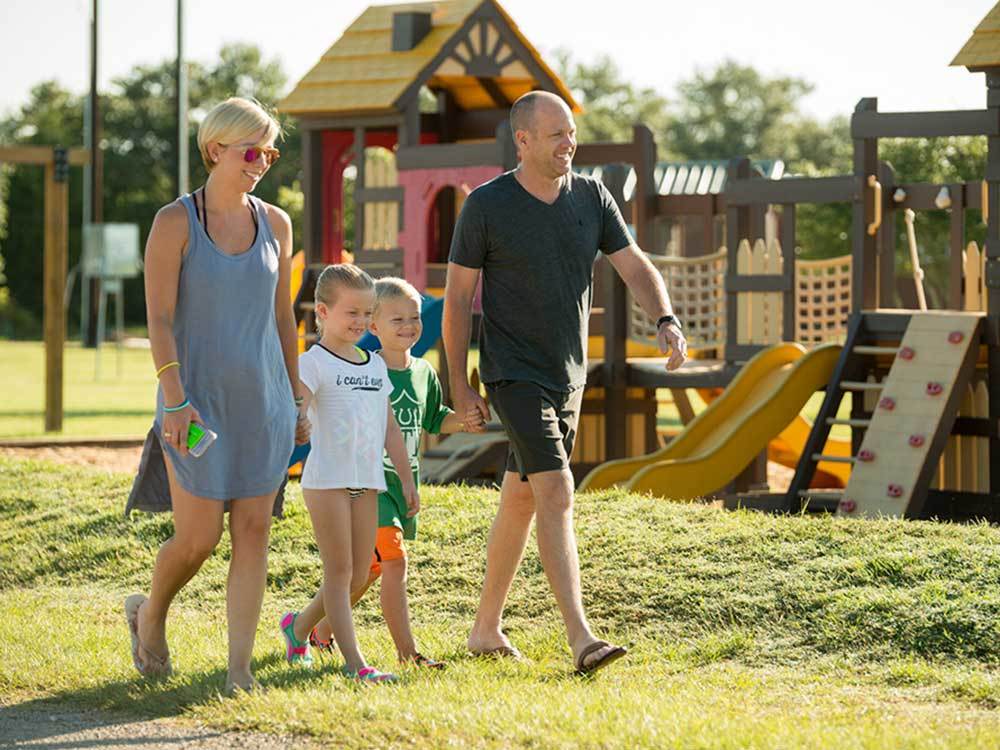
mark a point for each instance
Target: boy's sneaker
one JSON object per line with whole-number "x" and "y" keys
{"x": 296, "y": 652}
{"x": 321, "y": 645}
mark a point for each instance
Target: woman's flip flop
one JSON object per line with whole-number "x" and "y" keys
{"x": 146, "y": 662}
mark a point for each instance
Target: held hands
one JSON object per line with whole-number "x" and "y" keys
{"x": 469, "y": 403}
{"x": 303, "y": 429}
{"x": 412, "y": 498}
{"x": 175, "y": 427}
{"x": 671, "y": 338}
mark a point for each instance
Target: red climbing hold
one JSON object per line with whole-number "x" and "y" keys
{"x": 934, "y": 389}
{"x": 848, "y": 506}
{"x": 916, "y": 440}
{"x": 955, "y": 337}
{"x": 895, "y": 490}
{"x": 866, "y": 455}
{"x": 906, "y": 353}
{"x": 888, "y": 403}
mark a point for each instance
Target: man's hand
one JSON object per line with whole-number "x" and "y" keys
{"x": 469, "y": 403}
{"x": 671, "y": 338}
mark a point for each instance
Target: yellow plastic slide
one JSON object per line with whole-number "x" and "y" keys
{"x": 764, "y": 397}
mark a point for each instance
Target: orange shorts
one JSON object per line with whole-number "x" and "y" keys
{"x": 388, "y": 546}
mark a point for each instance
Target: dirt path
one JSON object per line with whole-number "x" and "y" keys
{"x": 53, "y": 727}
{"x": 119, "y": 460}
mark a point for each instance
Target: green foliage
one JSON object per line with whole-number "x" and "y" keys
{"x": 611, "y": 104}
{"x": 139, "y": 147}
{"x": 733, "y": 111}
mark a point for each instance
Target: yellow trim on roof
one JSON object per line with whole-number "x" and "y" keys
{"x": 983, "y": 48}
{"x": 360, "y": 74}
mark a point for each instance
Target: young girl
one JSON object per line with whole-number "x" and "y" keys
{"x": 346, "y": 396}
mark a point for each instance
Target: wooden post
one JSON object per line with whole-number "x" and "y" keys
{"x": 737, "y": 229}
{"x": 55, "y": 261}
{"x": 786, "y": 233}
{"x": 992, "y": 280}
{"x": 359, "y": 185}
{"x": 885, "y": 240}
{"x": 956, "y": 246}
{"x": 312, "y": 185}
{"x": 865, "y": 291}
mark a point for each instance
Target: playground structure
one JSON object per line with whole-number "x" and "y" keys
{"x": 434, "y": 82}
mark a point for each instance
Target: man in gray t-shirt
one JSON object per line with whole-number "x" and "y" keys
{"x": 534, "y": 235}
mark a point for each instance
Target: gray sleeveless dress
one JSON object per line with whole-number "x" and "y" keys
{"x": 233, "y": 372}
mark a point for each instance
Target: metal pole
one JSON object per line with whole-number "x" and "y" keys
{"x": 96, "y": 175}
{"x": 182, "y": 106}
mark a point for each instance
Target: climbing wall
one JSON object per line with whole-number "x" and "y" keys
{"x": 918, "y": 403}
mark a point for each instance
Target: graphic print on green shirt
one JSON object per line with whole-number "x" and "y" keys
{"x": 416, "y": 403}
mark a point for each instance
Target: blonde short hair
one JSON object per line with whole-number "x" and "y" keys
{"x": 336, "y": 277}
{"x": 392, "y": 287}
{"x": 232, "y": 121}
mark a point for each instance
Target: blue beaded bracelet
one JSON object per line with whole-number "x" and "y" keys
{"x": 179, "y": 407}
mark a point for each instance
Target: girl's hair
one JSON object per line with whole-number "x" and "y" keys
{"x": 393, "y": 287}
{"x": 339, "y": 276}
{"x": 235, "y": 120}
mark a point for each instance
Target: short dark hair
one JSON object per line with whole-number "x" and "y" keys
{"x": 522, "y": 112}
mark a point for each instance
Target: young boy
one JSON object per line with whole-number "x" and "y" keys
{"x": 416, "y": 402}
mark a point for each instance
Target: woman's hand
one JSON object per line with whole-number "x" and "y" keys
{"x": 303, "y": 429}
{"x": 175, "y": 427}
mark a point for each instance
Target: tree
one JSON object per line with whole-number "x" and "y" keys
{"x": 611, "y": 105}
{"x": 140, "y": 147}
{"x": 733, "y": 111}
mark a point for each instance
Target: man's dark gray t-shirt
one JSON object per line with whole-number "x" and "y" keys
{"x": 538, "y": 271}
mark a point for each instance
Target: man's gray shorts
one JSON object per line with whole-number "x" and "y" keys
{"x": 540, "y": 424}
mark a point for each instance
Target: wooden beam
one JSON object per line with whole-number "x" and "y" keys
{"x": 764, "y": 282}
{"x": 312, "y": 187}
{"x": 443, "y": 155}
{"x": 41, "y": 155}
{"x": 594, "y": 154}
{"x": 689, "y": 205}
{"x": 493, "y": 90}
{"x": 793, "y": 190}
{"x": 874, "y": 124}
{"x": 787, "y": 240}
{"x": 368, "y": 255}
{"x": 375, "y": 121}
{"x": 864, "y": 290}
{"x": 885, "y": 240}
{"x": 393, "y": 194}
{"x": 56, "y": 253}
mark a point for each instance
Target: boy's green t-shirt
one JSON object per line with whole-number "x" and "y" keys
{"x": 417, "y": 403}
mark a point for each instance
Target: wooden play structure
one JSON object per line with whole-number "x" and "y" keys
{"x": 416, "y": 98}
{"x": 56, "y": 162}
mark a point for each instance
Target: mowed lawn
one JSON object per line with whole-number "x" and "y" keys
{"x": 746, "y": 630}
{"x": 119, "y": 402}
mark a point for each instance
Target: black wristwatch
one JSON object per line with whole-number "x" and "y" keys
{"x": 671, "y": 319}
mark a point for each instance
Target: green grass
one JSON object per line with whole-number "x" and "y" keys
{"x": 115, "y": 404}
{"x": 747, "y": 630}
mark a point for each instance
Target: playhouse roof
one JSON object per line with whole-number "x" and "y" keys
{"x": 983, "y": 48}
{"x": 473, "y": 50}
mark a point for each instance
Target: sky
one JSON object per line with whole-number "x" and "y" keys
{"x": 896, "y": 50}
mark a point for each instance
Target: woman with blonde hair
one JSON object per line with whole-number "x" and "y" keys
{"x": 223, "y": 340}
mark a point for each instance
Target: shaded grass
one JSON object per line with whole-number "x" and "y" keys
{"x": 746, "y": 630}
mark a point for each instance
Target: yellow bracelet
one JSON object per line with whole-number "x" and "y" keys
{"x": 167, "y": 367}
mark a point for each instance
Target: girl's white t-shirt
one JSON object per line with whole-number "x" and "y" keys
{"x": 348, "y": 412}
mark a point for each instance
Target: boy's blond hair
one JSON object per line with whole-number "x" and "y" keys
{"x": 392, "y": 287}
{"x": 339, "y": 276}
{"x": 235, "y": 120}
